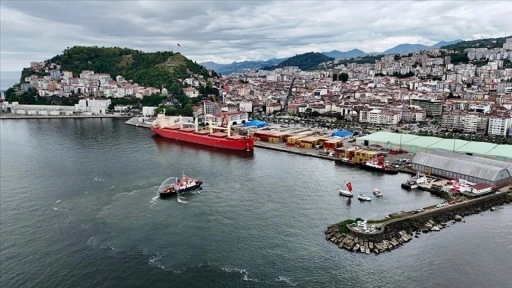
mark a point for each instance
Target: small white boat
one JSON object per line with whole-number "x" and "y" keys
{"x": 377, "y": 192}
{"x": 347, "y": 193}
{"x": 364, "y": 198}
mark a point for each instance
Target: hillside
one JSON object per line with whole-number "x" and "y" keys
{"x": 306, "y": 61}
{"x": 235, "y": 67}
{"x": 154, "y": 69}
{"x": 480, "y": 43}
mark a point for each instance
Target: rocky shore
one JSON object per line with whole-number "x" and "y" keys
{"x": 396, "y": 232}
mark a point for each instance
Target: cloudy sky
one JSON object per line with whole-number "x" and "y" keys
{"x": 227, "y": 31}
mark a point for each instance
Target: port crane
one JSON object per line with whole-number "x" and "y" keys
{"x": 224, "y": 122}
{"x": 287, "y": 99}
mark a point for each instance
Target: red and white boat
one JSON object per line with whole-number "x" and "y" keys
{"x": 181, "y": 184}
{"x": 379, "y": 165}
{"x": 213, "y": 136}
{"x": 347, "y": 193}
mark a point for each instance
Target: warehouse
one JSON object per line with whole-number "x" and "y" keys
{"x": 414, "y": 144}
{"x": 459, "y": 166}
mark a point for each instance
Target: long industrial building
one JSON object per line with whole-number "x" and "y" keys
{"x": 415, "y": 144}
{"x": 459, "y": 166}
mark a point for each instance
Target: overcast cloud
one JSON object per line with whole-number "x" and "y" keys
{"x": 227, "y": 31}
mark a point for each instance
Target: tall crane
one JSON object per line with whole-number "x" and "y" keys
{"x": 224, "y": 122}
{"x": 287, "y": 99}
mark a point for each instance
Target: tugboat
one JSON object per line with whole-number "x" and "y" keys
{"x": 181, "y": 184}
{"x": 379, "y": 165}
{"x": 377, "y": 192}
{"x": 347, "y": 193}
{"x": 362, "y": 197}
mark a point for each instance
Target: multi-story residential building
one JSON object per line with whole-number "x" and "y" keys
{"x": 474, "y": 123}
{"x": 379, "y": 116}
{"x": 245, "y": 105}
{"x": 191, "y": 92}
{"x": 209, "y": 107}
{"x": 499, "y": 125}
{"x": 465, "y": 122}
{"x": 432, "y": 107}
{"x": 272, "y": 108}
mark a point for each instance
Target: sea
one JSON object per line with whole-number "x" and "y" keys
{"x": 79, "y": 208}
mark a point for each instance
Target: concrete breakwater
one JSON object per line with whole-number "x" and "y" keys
{"x": 393, "y": 233}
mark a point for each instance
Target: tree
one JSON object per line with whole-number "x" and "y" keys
{"x": 334, "y": 77}
{"x": 343, "y": 77}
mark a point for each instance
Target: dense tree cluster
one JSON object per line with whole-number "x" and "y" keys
{"x": 341, "y": 77}
{"x": 163, "y": 68}
{"x": 362, "y": 60}
{"x": 307, "y": 61}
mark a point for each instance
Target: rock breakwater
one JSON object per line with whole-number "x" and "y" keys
{"x": 394, "y": 233}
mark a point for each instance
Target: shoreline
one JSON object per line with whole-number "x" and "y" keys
{"x": 15, "y": 117}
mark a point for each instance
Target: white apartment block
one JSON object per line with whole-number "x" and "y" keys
{"x": 462, "y": 121}
{"x": 245, "y": 106}
{"x": 499, "y": 125}
{"x": 379, "y": 117}
{"x": 93, "y": 106}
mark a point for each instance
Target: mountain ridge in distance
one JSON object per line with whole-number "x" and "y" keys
{"x": 336, "y": 54}
{"x": 240, "y": 66}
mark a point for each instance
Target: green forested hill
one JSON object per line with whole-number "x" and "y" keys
{"x": 480, "y": 43}
{"x": 154, "y": 69}
{"x": 306, "y": 61}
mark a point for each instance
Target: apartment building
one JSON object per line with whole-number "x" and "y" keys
{"x": 379, "y": 116}
{"x": 499, "y": 125}
{"x": 464, "y": 121}
{"x": 432, "y": 107}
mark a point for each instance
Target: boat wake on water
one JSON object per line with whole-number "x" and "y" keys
{"x": 153, "y": 200}
{"x": 182, "y": 199}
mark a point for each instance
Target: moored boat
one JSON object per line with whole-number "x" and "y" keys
{"x": 413, "y": 182}
{"x": 377, "y": 192}
{"x": 362, "y": 197}
{"x": 379, "y": 165}
{"x": 409, "y": 185}
{"x": 180, "y": 185}
{"x": 347, "y": 193}
{"x": 213, "y": 136}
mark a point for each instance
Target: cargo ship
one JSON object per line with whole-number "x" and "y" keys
{"x": 213, "y": 136}
{"x": 379, "y": 165}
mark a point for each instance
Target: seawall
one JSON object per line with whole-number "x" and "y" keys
{"x": 396, "y": 232}
{"x": 10, "y": 116}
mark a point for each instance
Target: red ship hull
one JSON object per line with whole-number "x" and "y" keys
{"x": 240, "y": 143}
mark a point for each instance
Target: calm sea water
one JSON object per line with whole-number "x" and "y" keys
{"x": 79, "y": 209}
